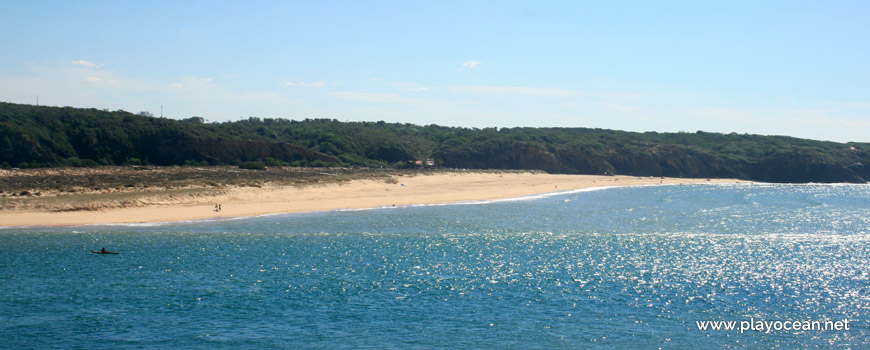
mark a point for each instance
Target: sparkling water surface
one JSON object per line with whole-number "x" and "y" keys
{"x": 618, "y": 268}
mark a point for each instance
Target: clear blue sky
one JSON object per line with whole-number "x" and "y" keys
{"x": 797, "y": 68}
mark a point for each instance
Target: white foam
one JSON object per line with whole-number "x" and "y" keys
{"x": 488, "y": 201}
{"x": 525, "y": 198}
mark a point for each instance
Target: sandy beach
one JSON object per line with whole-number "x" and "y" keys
{"x": 400, "y": 190}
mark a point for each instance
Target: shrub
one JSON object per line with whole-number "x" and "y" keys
{"x": 255, "y": 165}
{"x": 273, "y": 162}
{"x": 89, "y": 163}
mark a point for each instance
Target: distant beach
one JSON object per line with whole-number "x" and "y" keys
{"x": 264, "y": 193}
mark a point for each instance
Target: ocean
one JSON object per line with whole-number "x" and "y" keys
{"x": 670, "y": 267}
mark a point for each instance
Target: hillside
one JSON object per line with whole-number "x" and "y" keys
{"x": 33, "y": 136}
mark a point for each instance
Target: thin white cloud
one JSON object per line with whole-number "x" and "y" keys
{"x": 512, "y": 90}
{"x": 623, "y": 108}
{"x": 84, "y": 63}
{"x": 80, "y": 86}
{"x": 377, "y": 97}
{"x": 471, "y": 64}
{"x": 723, "y": 114}
{"x": 413, "y": 87}
{"x": 302, "y": 83}
{"x": 620, "y": 95}
{"x": 206, "y": 80}
{"x": 406, "y": 86}
{"x": 856, "y": 105}
{"x": 824, "y": 120}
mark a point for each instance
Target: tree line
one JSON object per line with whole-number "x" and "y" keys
{"x": 39, "y": 136}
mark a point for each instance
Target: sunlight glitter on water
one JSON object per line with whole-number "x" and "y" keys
{"x": 620, "y": 268}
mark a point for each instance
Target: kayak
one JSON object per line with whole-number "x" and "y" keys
{"x": 99, "y": 252}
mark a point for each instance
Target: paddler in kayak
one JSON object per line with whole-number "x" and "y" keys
{"x": 103, "y": 251}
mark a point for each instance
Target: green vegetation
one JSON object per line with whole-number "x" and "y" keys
{"x": 254, "y": 165}
{"x": 33, "y": 136}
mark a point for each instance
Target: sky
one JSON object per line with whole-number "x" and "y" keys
{"x": 796, "y": 68}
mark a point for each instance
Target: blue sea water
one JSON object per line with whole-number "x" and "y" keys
{"x": 620, "y": 268}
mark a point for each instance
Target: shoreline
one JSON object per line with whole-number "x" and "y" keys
{"x": 359, "y": 194}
